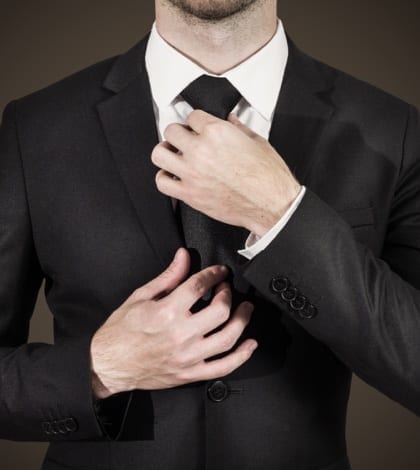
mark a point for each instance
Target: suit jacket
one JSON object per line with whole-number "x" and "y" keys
{"x": 336, "y": 291}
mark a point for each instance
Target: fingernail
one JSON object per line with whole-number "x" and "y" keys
{"x": 223, "y": 268}
{"x": 253, "y": 346}
{"x": 177, "y": 254}
{"x": 249, "y": 307}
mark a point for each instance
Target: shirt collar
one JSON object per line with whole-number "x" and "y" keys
{"x": 258, "y": 78}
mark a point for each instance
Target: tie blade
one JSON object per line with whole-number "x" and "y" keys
{"x": 209, "y": 241}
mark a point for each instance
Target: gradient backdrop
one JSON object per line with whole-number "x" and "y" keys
{"x": 376, "y": 40}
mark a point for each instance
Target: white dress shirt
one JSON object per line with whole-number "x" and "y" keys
{"x": 258, "y": 79}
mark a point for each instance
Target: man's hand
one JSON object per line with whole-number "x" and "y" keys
{"x": 153, "y": 341}
{"x": 226, "y": 171}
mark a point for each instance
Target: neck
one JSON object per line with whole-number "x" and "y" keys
{"x": 217, "y": 46}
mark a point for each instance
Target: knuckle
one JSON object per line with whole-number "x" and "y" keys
{"x": 183, "y": 376}
{"x": 132, "y": 310}
{"x": 168, "y": 315}
{"x": 169, "y": 130}
{"x": 176, "y": 337}
{"x": 163, "y": 314}
{"x": 213, "y": 128}
{"x": 227, "y": 341}
{"x": 178, "y": 379}
{"x": 198, "y": 285}
{"x": 138, "y": 293}
{"x": 222, "y": 313}
{"x": 131, "y": 315}
{"x": 180, "y": 360}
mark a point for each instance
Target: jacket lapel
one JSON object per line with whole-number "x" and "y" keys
{"x": 129, "y": 125}
{"x": 301, "y": 113}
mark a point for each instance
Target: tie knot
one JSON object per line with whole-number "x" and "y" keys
{"x": 215, "y": 95}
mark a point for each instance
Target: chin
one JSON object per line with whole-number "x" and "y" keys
{"x": 212, "y": 10}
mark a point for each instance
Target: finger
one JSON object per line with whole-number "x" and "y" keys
{"x": 167, "y": 159}
{"x": 169, "y": 146}
{"x": 221, "y": 286}
{"x": 225, "y": 339}
{"x": 245, "y": 129}
{"x": 178, "y": 135}
{"x": 198, "y": 119}
{"x": 215, "y": 314}
{"x": 163, "y": 284}
{"x": 185, "y": 295}
{"x": 168, "y": 184}
{"x": 221, "y": 367}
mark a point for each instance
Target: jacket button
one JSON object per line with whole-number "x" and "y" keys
{"x": 279, "y": 284}
{"x": 46, "y": 427}
{"x": 308, "y": 312}
{"x": 54, "y": 427}
{"x": 289, "y": 294}
{"x": 70, "y": 424}
{"x": 218, "y": 391}
{"x": 62, "y": 426}
{"x": 299, "y": 303}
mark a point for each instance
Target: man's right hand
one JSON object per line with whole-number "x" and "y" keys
{"x": 153, "y": 341}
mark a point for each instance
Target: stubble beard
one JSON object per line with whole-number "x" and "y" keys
{"x": 211, "y": 10}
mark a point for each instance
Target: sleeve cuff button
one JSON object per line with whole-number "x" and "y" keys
{"x": 299, "y": 303}
{"x": 310, "y": 311}
{"x": 71, "y": 424}
{"x": 279, "y": 284}
{"x": 289, "y": 294}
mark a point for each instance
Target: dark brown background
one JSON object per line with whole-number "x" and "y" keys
{"x": 376, "y": 40}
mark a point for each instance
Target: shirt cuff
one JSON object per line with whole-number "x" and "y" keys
{"x": 255, "y": 244}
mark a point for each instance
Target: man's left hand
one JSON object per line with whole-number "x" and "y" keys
{"x": 225, "y": 170}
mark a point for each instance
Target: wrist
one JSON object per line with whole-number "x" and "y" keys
{"x": 266, "y": 218}
{"x": 263, "y": 221}
{"x": 99, "y": 389}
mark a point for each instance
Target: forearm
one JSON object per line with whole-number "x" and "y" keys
{"x": 365, "y": 312}
{"x": 46, "y": 392}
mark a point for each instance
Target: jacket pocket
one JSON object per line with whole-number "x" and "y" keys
{"x": 361, "y": 220}
{"x": 358, "y": 217}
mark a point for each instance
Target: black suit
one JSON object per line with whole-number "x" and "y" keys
{"x": 79, "y": 206}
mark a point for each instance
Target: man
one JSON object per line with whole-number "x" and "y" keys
{"x": 309, "y": 196}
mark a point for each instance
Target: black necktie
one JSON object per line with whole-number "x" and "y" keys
{"x": 210, "y": 241}
{"x": 215, "y": 95}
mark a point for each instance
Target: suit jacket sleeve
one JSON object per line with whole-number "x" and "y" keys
{"x": 366, "y": 309}
{"x": 45, "y": 390}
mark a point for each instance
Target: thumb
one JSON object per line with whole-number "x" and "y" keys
{"x": 245, "y": 129}
{"x": 165, "y": 282}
